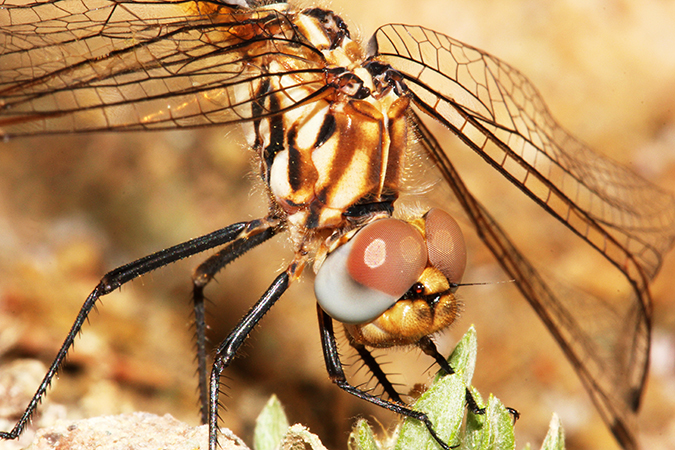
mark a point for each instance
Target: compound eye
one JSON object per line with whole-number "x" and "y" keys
{"x": 445, "y": 244}
{"x": 360, "y": 280}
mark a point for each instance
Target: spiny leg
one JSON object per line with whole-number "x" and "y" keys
{"x": 337, "y": 376}
{"x": 227, "y": 350}
{"x": 113, "y": 280}
{"x": 258, "y": 232}
{"x": 374, "y": 367}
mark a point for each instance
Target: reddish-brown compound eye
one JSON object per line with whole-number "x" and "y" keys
{"x": 445, "y": 244}
{"x": 389, "y": 255}
{"x": 360, "y": 280}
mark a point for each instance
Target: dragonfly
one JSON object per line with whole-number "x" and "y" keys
{"x": 332, "y": 123}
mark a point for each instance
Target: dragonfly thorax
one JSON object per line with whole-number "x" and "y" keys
{"x": 344, "y": 149}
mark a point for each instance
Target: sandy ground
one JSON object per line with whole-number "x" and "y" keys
{"x": 72, "y": 208}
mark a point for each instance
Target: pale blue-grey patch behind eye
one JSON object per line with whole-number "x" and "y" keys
{"x": 344, "y": 299}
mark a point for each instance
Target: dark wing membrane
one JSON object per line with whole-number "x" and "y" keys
{"x": 495, "y": 110}
{"x": 611, "y": 361}
{"x": 93, "y": 65}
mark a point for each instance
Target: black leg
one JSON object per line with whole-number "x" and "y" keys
{"x": 229, "y": 347}
{"x": 377, "y": 372}
{"x": 113, "y": 280}
{"x": 258, "y": 232}
{"x": 337, "y": 376}
{"x": 429, "y": 348}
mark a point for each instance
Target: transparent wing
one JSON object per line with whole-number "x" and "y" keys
{"x": 499, "y": 113}
{"x": 610, "y": 362}
{"x": 495, "y": 110}
{"x": 92, "y": 65}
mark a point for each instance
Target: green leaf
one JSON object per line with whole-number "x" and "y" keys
{"x": 361, "y": 437}
{"x": 444, "y": 402}
{"x": 555, "y": 438}
{"x": 444, "y": 405}
{"x": 463, "y": 357}
{"x": 270, "y": 426}
{"x": 491, "y": 431}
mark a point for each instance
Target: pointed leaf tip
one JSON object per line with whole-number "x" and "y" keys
{"x": 270, "y": 426}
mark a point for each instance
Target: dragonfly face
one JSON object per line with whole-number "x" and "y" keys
{"x": 393, "y": 283}
{"x": 299, "y": 83}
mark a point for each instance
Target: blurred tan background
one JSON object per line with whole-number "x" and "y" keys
{"x": 72, "y": 208}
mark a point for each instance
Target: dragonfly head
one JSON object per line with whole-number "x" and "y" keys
{"x": 393, "y": 281}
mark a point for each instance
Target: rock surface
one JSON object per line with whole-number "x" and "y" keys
{"x": 135, "y": 431}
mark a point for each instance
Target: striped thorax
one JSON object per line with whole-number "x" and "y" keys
{"x": 344, "y": 149}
